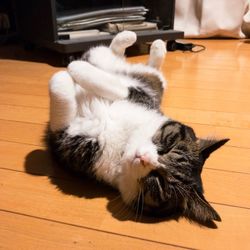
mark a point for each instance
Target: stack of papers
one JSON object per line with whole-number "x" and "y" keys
{"x": 86, "y": 20}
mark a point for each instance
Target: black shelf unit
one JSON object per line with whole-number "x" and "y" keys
{"x": 7, "y": 7}
{"x": 38, "y": 26}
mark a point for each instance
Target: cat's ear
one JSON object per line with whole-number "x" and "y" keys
{"x": 208, "y": 146}
{"x": 197, "y": 208}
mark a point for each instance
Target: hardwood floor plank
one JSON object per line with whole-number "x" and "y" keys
{"x": 24, "y": 100}
{"x": 199, "y": 73}
{"x": 226, "y": 187}
{"x": 225, "y": 119}
{"x": 180, "y": 231}
{"x": 208, "y": 84}
{"x": 45, "y": 207}
{"x": 26, "y": 69}
{"x": 238, "y": 137}
{"x": 35, "y": 195}
{"x": 64, "y": 236}
{"x": 230, "y": 159}
{"x": 198, "y": 103}
{"x": 28, "y": 158}
{"x": 24, "y": 88}
{"x": 14, "y": 79}
{"x": 24, "y": 114}
{"x": 21, "y": 132}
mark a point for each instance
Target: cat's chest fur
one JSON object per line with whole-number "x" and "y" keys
{"x": 121, "y": 127}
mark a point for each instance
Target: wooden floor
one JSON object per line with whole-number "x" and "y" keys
{"x": 42, "y": 207}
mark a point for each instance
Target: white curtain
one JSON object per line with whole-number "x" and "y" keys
{"x": 213, "y": 18}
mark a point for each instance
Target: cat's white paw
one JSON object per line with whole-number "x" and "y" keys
{"x": 61, "y": 83}
{"x": 158, "y": 49}
{"x": 78, "y": 66}
{"x": 157, "y": 53}
{"x": 80, "y": 70}
{"x": 125, "y": 38}
{"x": 122, "y": 41}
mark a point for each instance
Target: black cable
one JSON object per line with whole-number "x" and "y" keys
{"x": 195, "y": 48}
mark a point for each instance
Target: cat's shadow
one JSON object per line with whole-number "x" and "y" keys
{"x": 38, "y": 162}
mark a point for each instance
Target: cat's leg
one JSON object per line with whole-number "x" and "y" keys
{"x": 63, "y": 106}
{"x": 111, "y": 59}
{"x": 157, "y": 53}
{"x": 122, "y": 41}
{"x": 98, "y": 81}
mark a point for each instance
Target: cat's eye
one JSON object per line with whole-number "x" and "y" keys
{"x": 161, "y": 151}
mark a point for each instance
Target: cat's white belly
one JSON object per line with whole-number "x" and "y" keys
{"x": 115, "y": 126}
{"x": 129, "y": 128}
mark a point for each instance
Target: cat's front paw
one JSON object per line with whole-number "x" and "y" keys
{"x": 77, "y": 68}
{"x": 82, "y": 72}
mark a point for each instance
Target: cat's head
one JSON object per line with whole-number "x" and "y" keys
{"x": 176, "y": 185}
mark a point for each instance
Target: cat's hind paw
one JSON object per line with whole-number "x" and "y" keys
{"x": 158, "y": 48}
{"x": 122, "y": 41}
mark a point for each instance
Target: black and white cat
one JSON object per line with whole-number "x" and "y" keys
{"x": 105, "y": 121}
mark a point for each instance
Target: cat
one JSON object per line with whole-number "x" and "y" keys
{"x": 106, "y": 122}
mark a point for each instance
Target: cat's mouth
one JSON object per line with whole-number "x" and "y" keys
{"x": 138, "y": 160}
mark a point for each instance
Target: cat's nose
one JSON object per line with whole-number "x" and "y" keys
{"x": 144, "y": 159}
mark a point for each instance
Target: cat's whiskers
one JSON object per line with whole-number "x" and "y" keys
{"x": 119, "y": 207}
{"x": 116, "y": 198}
{"x": 185, "y": 192}
{"x": 124, "y": 210}
{"x": 121, "y": 211}
{"x": 180, "y": 192}
{"x": 175, "y": 194}
{"x": 142, "y": 203}
{"x": 138, "y": 204}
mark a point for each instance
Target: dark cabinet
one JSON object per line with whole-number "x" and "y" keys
{"x": 38, "y": 23}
